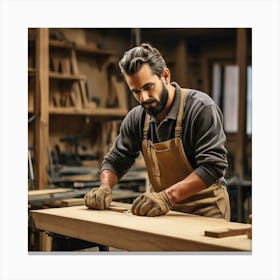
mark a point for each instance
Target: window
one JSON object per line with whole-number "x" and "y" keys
{"x": 225, "y": 92}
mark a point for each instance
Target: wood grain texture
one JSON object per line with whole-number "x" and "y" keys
{"x": 173, "y": 232}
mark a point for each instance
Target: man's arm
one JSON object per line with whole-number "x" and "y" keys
{"x": 155, "y": 204}
{"x": 126, "y": 146}
{"x": 189, "y": 186}
{"x": 117, "y": 161}
{"x": 209, "y": 145}
{"x": 108, "y": 179}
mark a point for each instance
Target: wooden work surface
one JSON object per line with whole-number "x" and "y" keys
{"x": 121, "y": 229}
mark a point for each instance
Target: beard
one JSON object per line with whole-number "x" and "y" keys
{"x": 154, "y": 111}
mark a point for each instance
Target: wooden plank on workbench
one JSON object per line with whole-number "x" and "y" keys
{"x": 172, "y": 232}
{"x": 66, "y": 202}
{"x": 47, "y": 191}
{"x": 74, "y": 201}
{"x": 225, "y": 232}
{"x": 33, "y": 193}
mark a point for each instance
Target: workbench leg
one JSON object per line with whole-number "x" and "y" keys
{"x": 45, "y": 242}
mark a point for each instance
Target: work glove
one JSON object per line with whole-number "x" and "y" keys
{"x": 151, "y": 204}
{"x": 99, "y": 198}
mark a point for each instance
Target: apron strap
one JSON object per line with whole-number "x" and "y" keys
{"x": 146, "y": 127}
{"x": 178, "y": 128}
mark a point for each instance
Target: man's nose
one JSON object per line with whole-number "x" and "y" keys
{"x": 144, "y": 95}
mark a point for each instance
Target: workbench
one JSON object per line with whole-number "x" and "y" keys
{"x": 119, "y": 228}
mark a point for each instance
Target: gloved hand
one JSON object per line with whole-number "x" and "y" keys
{"x": 98, "y": 198}
{"x": 151, "y": 204}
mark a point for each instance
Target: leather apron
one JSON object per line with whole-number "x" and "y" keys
{"x": 167, "y": 164}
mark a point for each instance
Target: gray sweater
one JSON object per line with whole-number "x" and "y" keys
{"x": 202, "y": 135}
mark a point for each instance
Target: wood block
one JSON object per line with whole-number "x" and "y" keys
{"x": 76, "y": 93}
{"x": 91, "y": 105}
{"x": 117, "y": 208}
{"x": 225, "y": 232}
{"x": 55, "y": 63}
{"x": 83, "y": 93}
{"x": 67, "y": 202}
{"x": 72, "y": 202}
{"x": 54, "y": 94}
{"x": 65, "y": 65}
{"x": 53, "y": 203}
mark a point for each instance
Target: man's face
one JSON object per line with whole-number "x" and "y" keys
{"x": 149, "y": 90}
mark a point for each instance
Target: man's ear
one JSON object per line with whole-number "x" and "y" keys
{"x": 166, "y": 75}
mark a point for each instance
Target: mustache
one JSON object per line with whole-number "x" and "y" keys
{"x": 149, "y": 101}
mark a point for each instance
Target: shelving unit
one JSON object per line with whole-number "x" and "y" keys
{"x": 59, "y": 99}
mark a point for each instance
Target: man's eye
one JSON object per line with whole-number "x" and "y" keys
{"x": 149, "y": 87}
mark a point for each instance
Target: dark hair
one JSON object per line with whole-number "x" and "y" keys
{"x": 134, "y": 58}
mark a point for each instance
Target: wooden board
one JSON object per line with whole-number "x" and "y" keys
{"x": 66, "y": 202}
{"x": 225, "y": 232}
{"x": 121, "y": 229}
{"x": 47, "y": 192}
{"x": 116, "y": 195}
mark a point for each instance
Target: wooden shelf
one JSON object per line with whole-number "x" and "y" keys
{"x": 63, "y": 76}
{"x": 89, "y": 48}
{"x": 92, "y": 50}
{"x": 96, "y": 112}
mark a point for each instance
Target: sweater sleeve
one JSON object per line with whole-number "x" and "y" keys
{"x": 126, "y": 146}
{"x": 210, "y": 151}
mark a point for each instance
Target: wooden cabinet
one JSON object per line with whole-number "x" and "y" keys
{"x": 62, "y": 105}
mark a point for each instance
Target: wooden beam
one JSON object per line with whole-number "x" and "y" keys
{"x": 242, "y": 62}
{"x": 41, "y": 107}
{"x": 121, "y": 229}
{"x": 181, "y": 66}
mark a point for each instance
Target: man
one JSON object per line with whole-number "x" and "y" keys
{"x": 180, "y": 134}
